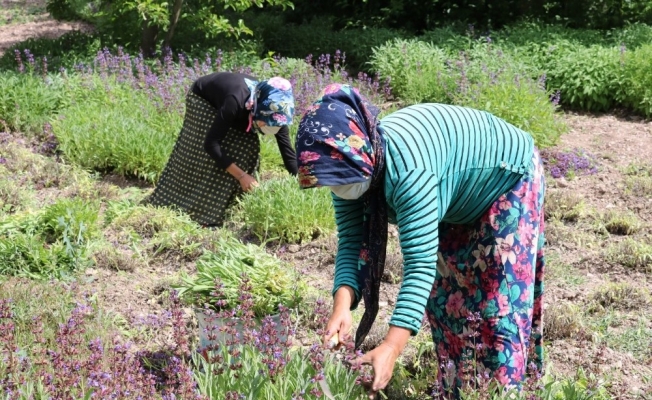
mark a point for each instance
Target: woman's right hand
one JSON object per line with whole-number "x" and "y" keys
{"x": 248, "y": 183}
{"x": 341, "y": 321}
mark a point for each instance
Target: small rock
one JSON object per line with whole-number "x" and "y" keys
{"x": 293, "y": 248}
{"x": 90, "y": 271}
{"x": 562, "y": 182}
{"x": 382, "y": 304}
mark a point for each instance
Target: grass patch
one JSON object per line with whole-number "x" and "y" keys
{"x": 157, "y": 231}
{"x": 620, "y": 223}
{"x": 563, "y": 320}
{"x": 564, "y": 206}
{"x": 279, "y": 210}
{"x": 639, "y": 186}
{"x": 621, "y": 296}
{"x": 613, "y": 329}
{"x": 632, "y": 254}
{"x": 558, "y": 271}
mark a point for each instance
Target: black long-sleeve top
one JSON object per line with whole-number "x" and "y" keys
{"x": 228, "y": 93}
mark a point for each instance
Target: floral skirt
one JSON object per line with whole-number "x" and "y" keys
{"x": 191, "y": 181}
{"x": 485, "y": 307}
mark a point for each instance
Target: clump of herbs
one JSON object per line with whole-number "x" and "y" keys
{"x": 235, "y": 262}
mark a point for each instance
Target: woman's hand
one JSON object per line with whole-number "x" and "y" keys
{"x": 340, "y": 322}
{"x": 248, "y": 183}
{"x": 382, "y": 360}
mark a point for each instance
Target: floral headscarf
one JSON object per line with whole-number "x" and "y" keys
{"x": 333, "y": 141}
{"x": 338, "y": 143}
{"x": 271, "y": 101}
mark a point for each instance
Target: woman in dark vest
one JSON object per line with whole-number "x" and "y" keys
{"x": 218, "y": 149}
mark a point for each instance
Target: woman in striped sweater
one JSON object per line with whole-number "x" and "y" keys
{"x": 466, "y": 191}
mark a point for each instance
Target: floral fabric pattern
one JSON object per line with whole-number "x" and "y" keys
{"x": 334, "y": 140}
{"x": 485, "y": 307}
{"x": 271, "y": 101}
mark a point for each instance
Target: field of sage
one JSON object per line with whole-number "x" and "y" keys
{"x": 103, "y": 297}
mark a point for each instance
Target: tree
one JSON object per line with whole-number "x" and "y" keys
{"x": 160, "y": 18}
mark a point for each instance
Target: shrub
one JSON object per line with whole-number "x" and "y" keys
{"x": 318, "y": 37}
{"x": 416, "y": 70}
{"x": 483, "y": 77}
{"x": 491, "y": 80}
{"x": 587, "y": 77}
{"x": 279, "y": 210}
{"x": 637, "y": 79}
{"x": 52, "y": 242}
{"x": 28, "y": 100}
{"x": 124, "y": 131}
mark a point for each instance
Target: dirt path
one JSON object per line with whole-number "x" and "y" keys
{"x": 24, "y": 19}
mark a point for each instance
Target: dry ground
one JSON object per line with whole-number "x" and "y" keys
{"x": 24, "y": 19}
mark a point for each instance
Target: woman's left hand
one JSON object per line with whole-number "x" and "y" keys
{"x": 382, "y": 360}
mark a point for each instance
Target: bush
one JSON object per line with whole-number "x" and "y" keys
{"x": 416, "y": 70}
{"x": 279, "y": 210}
{"x": 587, "y": 77}
{"x": 637, "y": 79}
{"x": 482, "y": 77}
{"x": 27, "y": 101}
{"x": 119, "y": 129}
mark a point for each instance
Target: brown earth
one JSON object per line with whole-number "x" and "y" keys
{"x": 37, "y": 24}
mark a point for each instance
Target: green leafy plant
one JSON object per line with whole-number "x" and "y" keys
{"x": 28, "y": 100}
{"x": 416, "y": 69}
{"x": 272, "y": 283}
{"x": 280, "y": 210}
{"x": 637, "y": 77}
{"x": 119, "y": 129}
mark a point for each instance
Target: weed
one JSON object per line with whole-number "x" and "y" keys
{"x": 632, "y": 253}
{"x": 616, "y": 331}
{"x": 620, "y": 223}
{"x": 563, "y": 320}
{"x": 622, "y": 296}
{"x": 113, "y": 258}
{"x": 393, "y": 272}
{"x": 639, "y": 169}
{"x": 557, "y": 270}
{"x": 564, "y": 206}
{"x": 639, "y": 186}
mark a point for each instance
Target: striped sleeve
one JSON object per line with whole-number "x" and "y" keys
{"x": 416, "y": 204}
{"x": 349, "y": 218}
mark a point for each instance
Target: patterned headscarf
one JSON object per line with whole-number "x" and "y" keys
{"x": 340, "y": 143}
{"x": 271, "y": 101}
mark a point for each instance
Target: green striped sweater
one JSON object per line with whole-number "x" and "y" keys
{"x": 443, "y": 164}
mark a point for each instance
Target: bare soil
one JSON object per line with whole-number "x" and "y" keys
{"x": 31, "y": 21}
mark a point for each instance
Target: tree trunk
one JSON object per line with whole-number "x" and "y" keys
{"x": 174, "y": 18}
{"x": 148, "y": 39}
